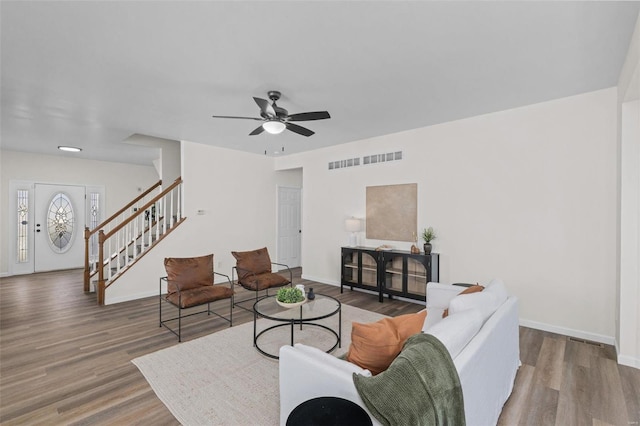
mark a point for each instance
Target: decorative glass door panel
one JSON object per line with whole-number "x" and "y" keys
{"x": 350, "y": 267}
{"x": 416, "y": 277}
{"x": 369, "y": 270}
{"x": 393, "y": 273}
{"x": 59, "y": 223}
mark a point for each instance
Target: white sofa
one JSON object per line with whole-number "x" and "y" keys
{"x": 481, "y": 334}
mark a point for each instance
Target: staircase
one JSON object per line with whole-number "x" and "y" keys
{"x": 115, "y": 245}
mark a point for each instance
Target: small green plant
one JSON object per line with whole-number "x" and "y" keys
{"x": 428, "y": 234}
{"x": 290, "y": 295}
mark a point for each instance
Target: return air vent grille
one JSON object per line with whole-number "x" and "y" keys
{"x": 366, "y": 160}
{"x": 341, "y": 164}
{"x": 382, "y": 158}
{"x": 587, "y": 342}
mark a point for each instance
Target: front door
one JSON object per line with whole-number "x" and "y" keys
{"x": 59, "y": 225}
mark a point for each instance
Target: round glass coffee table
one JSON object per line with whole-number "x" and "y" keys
{"x": 305, "y": 315}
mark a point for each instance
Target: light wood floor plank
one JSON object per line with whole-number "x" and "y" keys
{"x": 541, "y": 407}
{"x": 574, "y": 399}
{"x": 630, "y": 380}
{"x": 608, "y": 402}
{"x": 550, "y": 362}
{"x": 516, "y": 404}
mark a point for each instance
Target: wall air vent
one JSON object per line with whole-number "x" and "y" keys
{"x": 382, "y": 158}
{"x": 341, "y": 164}
{"x": 368, "y": 159}
{"x": 587, "y": 342}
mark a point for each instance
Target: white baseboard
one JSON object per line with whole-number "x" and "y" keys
{"x": 4, "y": 274}
{"x": 128, "y": 298}
{"x": 319, "y": 280}
{"x": 594, "y": 337}
{"x": 629, "y": 361}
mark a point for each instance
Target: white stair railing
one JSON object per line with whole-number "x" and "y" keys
{"x": 91, "y": 256}
{"x": 124, "y": 244}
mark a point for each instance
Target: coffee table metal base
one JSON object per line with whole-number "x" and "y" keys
{"x": 306, "y": 315}
{"x": 292, "y": 325}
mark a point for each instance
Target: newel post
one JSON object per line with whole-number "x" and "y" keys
{"x": 100, "y": 288}
{"x": 87, "y": 235}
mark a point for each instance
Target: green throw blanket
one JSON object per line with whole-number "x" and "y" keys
{"x": 420, "y": 387}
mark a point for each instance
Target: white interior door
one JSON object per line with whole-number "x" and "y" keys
{"x": 289, "y": 226}
{"x": 59, "y": 226}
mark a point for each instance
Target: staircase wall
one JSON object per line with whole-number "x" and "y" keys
{"x": 230, "y": 201}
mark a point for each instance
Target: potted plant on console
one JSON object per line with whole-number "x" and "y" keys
{"x": 428, "y": 234}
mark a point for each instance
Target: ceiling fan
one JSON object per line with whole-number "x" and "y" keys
{"x": 276, "y": 119}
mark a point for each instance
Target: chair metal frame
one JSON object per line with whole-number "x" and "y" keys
{"x": 235, "y": 269}
{"x": 208, "y": 311}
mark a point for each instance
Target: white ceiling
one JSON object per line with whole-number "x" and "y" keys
{"x": 90, "y": 74}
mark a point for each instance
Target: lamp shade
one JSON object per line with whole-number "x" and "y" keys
{"x": 274, "y": 126}
{"x": 352, "y": 224}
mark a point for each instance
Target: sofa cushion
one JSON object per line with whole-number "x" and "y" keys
{"x": 200, "y": 295}
{"x": 263, "y": 281}
{"x": 254, "y": 261}
{"x": 184, "y": 273}
{"x": 497, "y": 288}
{"x": 375, "y": 345}
{"x": 485, "y": 302}
{"x": 456, "y": 330}
{"x": 469, "y": 290}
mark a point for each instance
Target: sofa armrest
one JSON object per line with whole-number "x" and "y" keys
{"x": 307, "y": 372}
{"x": 439, "y": 295}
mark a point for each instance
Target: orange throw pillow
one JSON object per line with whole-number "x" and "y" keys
{"x": 473, "y": 289}
{"x": 374, "y": 346}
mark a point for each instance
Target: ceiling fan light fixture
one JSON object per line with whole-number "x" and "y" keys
{"x": 274, "y": 126}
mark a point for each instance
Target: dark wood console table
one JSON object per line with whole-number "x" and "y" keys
{"x": 391, "y": 272}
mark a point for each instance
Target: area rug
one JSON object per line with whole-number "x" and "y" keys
{"x": 221, "y": 379}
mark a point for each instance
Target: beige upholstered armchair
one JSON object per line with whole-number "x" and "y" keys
{"x": 254, "y": 271}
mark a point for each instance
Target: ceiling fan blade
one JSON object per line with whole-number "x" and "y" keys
{"x": 257, "y": 131}
{"x": 241, "y": 118}
{"x": 308, "y": 116}
{"x": 299, "y": 129}
{"x": 265, "y": 107}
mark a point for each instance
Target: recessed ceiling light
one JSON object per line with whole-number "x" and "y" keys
{"x": 69, "y": 148}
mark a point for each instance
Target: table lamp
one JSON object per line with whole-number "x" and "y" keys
{"x": 353, "y": 225}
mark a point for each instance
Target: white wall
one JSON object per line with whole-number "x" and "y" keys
{"x": 121, "y": 182}
{"x": 628, "y": 342}
{"x": 528, "y": 195}
{"x": 290, "y": 178}
{"x": 237, "y": 192}
{"x": 168, "y": 163}
{"x": 628, "y": 288}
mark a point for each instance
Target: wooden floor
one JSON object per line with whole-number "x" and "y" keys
{"x": 65, "y": 360}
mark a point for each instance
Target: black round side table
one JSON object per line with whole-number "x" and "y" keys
{"x": 328, "y": 411}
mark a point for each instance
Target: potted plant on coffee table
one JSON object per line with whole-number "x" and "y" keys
{"x": 428, "y": 234}
{"x": 290, "y": 297}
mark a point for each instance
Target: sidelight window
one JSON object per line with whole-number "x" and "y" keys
{"x": 22, "y": 248}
